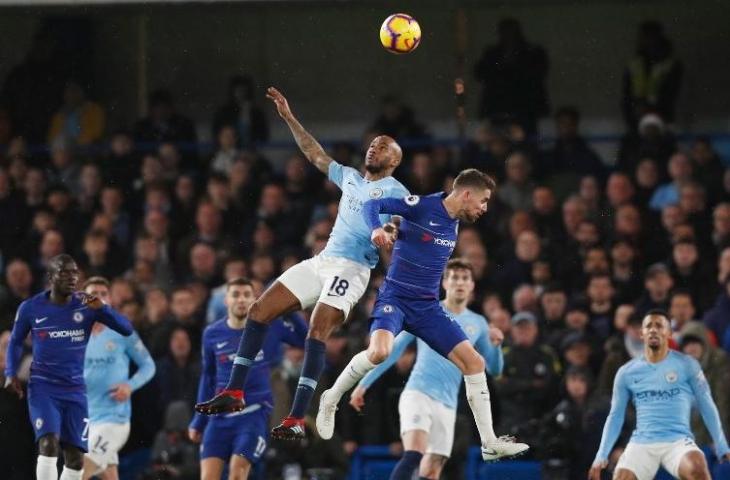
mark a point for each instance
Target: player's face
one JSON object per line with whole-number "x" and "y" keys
{"x": 382, "y": 154}
{"x": 238, "y": 300}
{"x": 655, "y": 331}
{"x": 64, "y": 277}
{"x": 473, "y": 204}
{"x": 458, "y": 284}
{"x": 99, "y": 291}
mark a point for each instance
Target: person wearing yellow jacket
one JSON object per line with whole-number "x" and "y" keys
{"x": 78, "y": 119}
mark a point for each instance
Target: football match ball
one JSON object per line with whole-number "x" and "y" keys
{"x": 400, "y": 33}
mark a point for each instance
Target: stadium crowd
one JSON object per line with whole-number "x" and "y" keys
{"x": 570, "y": 256}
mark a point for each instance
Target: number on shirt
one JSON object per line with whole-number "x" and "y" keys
{"x": 85, "y": 433}
{"x": 339, "y": 286}
{"x": 260, "y": 447}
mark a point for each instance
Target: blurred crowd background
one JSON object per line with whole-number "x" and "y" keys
{"x": 578, "y": 244}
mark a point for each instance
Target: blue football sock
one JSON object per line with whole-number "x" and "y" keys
{"x": 407, "y": 465}
{"x": 251, "y": 341}
{"x": 314, "y": 352}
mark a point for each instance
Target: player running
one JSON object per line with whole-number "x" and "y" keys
{"x": 239, "y": 436}
{"x": 332, "y": 282}
{"x": 663, "y": 385}
{"x": 408, "y": 299}
{"x": 109, "y": 388}
{"x": 59, "y": 321}
{"x": 428, "y": 403}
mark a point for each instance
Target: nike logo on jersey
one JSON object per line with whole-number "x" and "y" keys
{"x": 434, "y": 224}
{"x": 221, "y": 344}
{"x": 41, "y": 320}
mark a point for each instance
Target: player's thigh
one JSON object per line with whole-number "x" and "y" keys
{"x": 239, "y": 468}
{"x": 45, "y": 415}
{"x": 431, "y": 466}
{"x": 211, "y": 468}
{"x": 325, "y": 319}
{"x": 279, "y": 298}
{"x": 75, "y": 422}
{"x": 387, "y": 314}
{"x": 217, "y": 440}
{"x": 427, "y": 320}
{"x": 466, "y": 358}
{"x": 443, "y": 422}
{"x": 640, "y": 460}
{"x": 414, "y": 411}
{"x": 343, "y": 282}
{"x": 105, "y": 441}
{"x": 683, "y": 459}
{"x": 111, "y": 473}
{"x": 380, "y": 346}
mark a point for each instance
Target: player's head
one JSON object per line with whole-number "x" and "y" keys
{"x": 383, "y": 155}
{"x": 239, "y": 297}
{"x": 63, "y": 274}
{"x": 472, "y": 189}
{"x": 458, "y": 280}
{"x": 656, "y": 329}
{"x": 99, "y": 287}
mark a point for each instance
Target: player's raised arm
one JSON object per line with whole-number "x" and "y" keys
{"x": 707, "y": 408}
{"x": 383, "y": 235}
{"x": 21, "y": 327}
{"x": 614, "y": 422}
{"x": 306, "y": 142}
{"x": 107, "y": 315}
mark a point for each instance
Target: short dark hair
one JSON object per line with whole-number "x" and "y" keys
{"x": 96, "y": 280}
{"x": 658, "y": 312}
{"x": 681, "y": 292}
{"x": 239, "y": 282}
{"x": 459, "y": 264}
{"x": 471, "y": 177}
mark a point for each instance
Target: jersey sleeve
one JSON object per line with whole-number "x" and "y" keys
{"x": 336, "y": 173}
{"x": 492, "y": 354}
{"x": 295, "y": 330}
{"x": 706, "y": 406}
{"x": 114, "y": 320}
{"x": 399, "y": 346}
{"x": 206, "y": 383}
{"x": 615, "y": 420}
{"x": 404, "y": 207}
{"x": 21, "y": 327}
{"x": 141, "y": 357}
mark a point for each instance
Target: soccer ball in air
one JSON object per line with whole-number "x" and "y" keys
{"x": 400, "y": 33}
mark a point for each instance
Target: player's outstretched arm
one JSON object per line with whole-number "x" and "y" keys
{"x": 306, "y": 142}
{"x": 106, "y": 314}
{"x": 614, "y": 422}
{"x": 708, "y": 409}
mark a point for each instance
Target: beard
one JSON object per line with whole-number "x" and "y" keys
{"x": 374, "y": 168}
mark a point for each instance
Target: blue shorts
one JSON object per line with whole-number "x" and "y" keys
{"x": 244, "y": 433}
{"x": 58, "y": 412}
{"x": 423, "y": 317}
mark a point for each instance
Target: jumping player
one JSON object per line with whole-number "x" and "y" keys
{"x": 109, "y": 388}
{"x": 59, "y": 321}
{"x": 663, "y": 385}
{"x": 239, "y": 438}
{"x": 408, "y": 299}
{"x": 332, "y": 282}
{"x": 428, "y": 403}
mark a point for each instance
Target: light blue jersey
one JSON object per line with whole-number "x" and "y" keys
{"x": 663, "y": 394}
{"x": 435, "y": 375}
{"x": 106, "y": 365}
{"x": 350, "y": 237}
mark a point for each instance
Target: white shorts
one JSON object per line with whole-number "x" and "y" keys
{"x": 337, "y": 282}
{"x": 418, "y": 411}
{"x": 105, "y": 440}
{"x": 644, "y": 459}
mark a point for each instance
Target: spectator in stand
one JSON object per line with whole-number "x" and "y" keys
{"x": 717, "y": 318}
{"x": 658, "y": 284}
{"x": 397, "y": 120}
{"x": 178, "y": 372}
{"x": 163, "y": 123}
{"x": 653, "y": 140}
{"x": 682, "y": 312}
{"x": 545, "y": 213}
{"x": 208, "y": 229}
{"x": 600, "y": 294}
{"x": 516, "y": 191}
{"x": 646, "y": 177}
{"x": 112, "y": 205}
{"x": 721, "y": 226}
{"x": 553, "y": 305}
{"x": 690, "y": 274}
{"x": 203, "y": 265}
{"x": 98, "y": 259}
{"x": 518, "y": 269}
{"x": 625, "y": 270}
{"x": 174, "y": 456}
{"x": 590, "y": 191}
{"x": 622, "y": 347}
{"x": 652, "y": 79}
{"x": 18, "y": 286}
{"x": 65, "y": 168}
{"x": 13, "y": 215}
{"x": 571, "y": 155}
{"x": 220, "y": 195}
{"x": 227, "y": 152}
{"x": 290, "y": 223}
{"x": 172, "y": 161}
{"x": 159, "y": 322}
{"x": 79, "y": 119}
{"x": 424, "y": 178}
{"x": 488, "y": 151}
{"x": 693, "y": 202}
{"x": 707, "y": 167}
{"x": 513, "y": 74}
{"x": 90, "y": 184}
{"x": 241, "y": 112}
{"x": 680, "y": 171}
{"x": 122, "y": 162}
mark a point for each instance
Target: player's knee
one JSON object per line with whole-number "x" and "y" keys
{"x": 48, "y": 446}
{"x": 259, "y": 312}
{"x": 73, "y": 458}
{"x": 378, "y": 353}
{"x": 695, "y": 469}
{"x": 623, "y": 474}
{"x": 474, "y": 363}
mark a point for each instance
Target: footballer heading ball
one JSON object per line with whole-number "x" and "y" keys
{"x": 400, "y": 33}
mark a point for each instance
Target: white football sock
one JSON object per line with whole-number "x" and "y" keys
{"x": 477, "y": 394}
{"x": 358, "y": 367}
{"x": 69, "y": 474}
{"x": 46, "y": 468}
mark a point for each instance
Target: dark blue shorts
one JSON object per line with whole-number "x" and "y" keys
{"x": 423, "y": 317}
{"x": 245, "y": 433}
{"x": 59, "y": 412}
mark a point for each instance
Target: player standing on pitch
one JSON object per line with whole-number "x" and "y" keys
{"x": 427, "y": 406}
{"x": 59, "y": 321}
{"x": 109, "y": 388}
{"x": 663, "y": 385}
{"x": 332, "y": 281}
{"x": 408, "y": 299}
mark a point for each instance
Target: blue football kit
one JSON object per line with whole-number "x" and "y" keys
{"x": 59, "y": 334}
{"x": 246, "y": 432}
{"x": 408, "y": 299}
